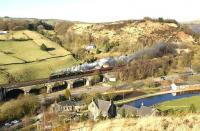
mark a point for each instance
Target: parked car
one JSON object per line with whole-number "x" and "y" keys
{"x": 7, "y": 124}
{"x": 15, "y": 122}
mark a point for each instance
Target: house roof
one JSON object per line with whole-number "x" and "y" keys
{"x": 79, "y": 103}
{"x": 128, "y": 108}
{"x": 67, "y": 102}
{"x": 71, "y": 103}
{"x": 103, "y": 105}
{"x": 144, "y": 111}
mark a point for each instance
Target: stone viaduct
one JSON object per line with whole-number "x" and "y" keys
{"x": 49, "y": 87}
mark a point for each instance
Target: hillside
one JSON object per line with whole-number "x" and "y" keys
{"x": 122, "y": 37}
{"x": 168, "y": 123}
{"x": 34, "y": 48}
{"x": 24, "y": 59}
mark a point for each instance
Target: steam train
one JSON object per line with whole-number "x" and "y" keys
{"x": 101, "y": 65}
{"x": 63, "y": 74}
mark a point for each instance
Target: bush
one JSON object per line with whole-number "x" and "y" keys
{"x": 43, "y": 47}
{"x": 83, "y": 117}
{"x": 160, "y": 19}
{"x": 16, "y": 109}
{"x": 95, "y": 79}
{"x": 98, "y": 51}
{"x": 123, "y": 113}
{"x": 141, "y": 69}
{"x": 87, "y": 98}
{"x": 192, "y": 108}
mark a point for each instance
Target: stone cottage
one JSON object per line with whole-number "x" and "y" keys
{"x": 101, "y": 107}
{"x": 68, "y": 106}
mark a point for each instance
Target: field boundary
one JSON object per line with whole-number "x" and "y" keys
{"x": 41, "y": 60}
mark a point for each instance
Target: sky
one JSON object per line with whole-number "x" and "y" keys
{"x": 101, "y": 10}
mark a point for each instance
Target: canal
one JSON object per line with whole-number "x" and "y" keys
{"x": 150, "y": 101}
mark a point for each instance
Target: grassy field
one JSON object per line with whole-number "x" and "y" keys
{"x": 7, "y": 59}
{"x": 39, "y": 40}
{"x": 14, "y": 35}
{"x": 37, "y": 70}
{"x": 24, "y": 50}
{"x": 22, "y": 57}
{"x": 183, "y": 103}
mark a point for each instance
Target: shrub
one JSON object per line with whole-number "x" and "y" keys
{"x": 123, "y": 113}
{"x": 86, "y": 98}
{"x": 98, "y": 51}
{"x": 141, "y": 69}
{"x": 16, "y": 109}
{"x": 192, "y": 108}
{"x": 106, "y": 47}
{"x": 83, "y": 117}
{"x": 43, "y": 47}
{"x": 160, "y": 19}
{"x": 95, "y": 79}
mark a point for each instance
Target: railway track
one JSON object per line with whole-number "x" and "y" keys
{"x": 47, "y": 80}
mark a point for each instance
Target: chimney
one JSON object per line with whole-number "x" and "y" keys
{"x": 111, "y": 102}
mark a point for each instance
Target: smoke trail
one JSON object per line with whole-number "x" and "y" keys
{"x": 157, "y": 50}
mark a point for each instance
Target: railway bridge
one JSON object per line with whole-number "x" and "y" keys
{"x": 8, "y": 91}
{"x": 42, "y": 86}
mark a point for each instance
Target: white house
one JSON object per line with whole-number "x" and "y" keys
{"x": 173, "y": 86}
{"x": 178, "y": 86}
{"x": 3, "y": 32}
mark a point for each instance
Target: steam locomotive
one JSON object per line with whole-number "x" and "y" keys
{"x": 63, "y": 74}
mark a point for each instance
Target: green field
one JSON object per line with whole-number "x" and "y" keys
{"x": 37, "y": 70}
{"x": 21, "y": 56}
{"x": 8, "y": 59}
{"x": 24, "y": 50}
{"x": 39, "y": 40}
{"x": 14, "y": 35}
{"x": 183, "y": 103}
